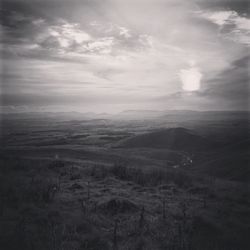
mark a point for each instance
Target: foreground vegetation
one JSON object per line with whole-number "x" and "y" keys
{"x": 60, "y": 205}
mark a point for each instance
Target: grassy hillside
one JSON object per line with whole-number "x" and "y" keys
{"x": 62, "y": 205}
{"x": 172, "y": 138}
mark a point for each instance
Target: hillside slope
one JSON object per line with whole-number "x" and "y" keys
{"x": 173, "y": 138}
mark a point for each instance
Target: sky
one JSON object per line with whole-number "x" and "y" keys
{"x": 114, "y": 55}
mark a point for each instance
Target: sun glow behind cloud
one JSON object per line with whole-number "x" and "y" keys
{"x": 191, "y": 79}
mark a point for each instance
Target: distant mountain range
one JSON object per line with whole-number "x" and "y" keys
{"x": 135, "y": 115}
{"x": 186, "y": 114}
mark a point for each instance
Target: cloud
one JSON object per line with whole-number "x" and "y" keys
{"x": 27, "y": 35}
{"x": 66, "y": 33}
{"x": 231, "y": 87}
{"x": 228, "y": 90}
{"x": 125, "y": 32}
{"x": 132, "y": 52}
{"x": 240, "y": 6}
{"x": 231, "y": 24}
{"x": 66, "y": 37}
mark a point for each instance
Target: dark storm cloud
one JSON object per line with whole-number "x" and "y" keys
{"x": 240, "y": 6}
{"x": 242, "y": 62}
{"x": 232, "y": 85}
{"x": 16, "y": 26}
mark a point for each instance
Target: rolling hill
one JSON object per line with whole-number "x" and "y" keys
{"x": 172, "y": 138}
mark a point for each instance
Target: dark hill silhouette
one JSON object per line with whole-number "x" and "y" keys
{"x": 173, "y": 138}
{"x": 231, "y": 166}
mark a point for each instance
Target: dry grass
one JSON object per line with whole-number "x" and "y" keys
{"x": 59, "y": 206}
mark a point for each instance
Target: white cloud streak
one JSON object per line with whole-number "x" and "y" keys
{"x": 232, "y": 25}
